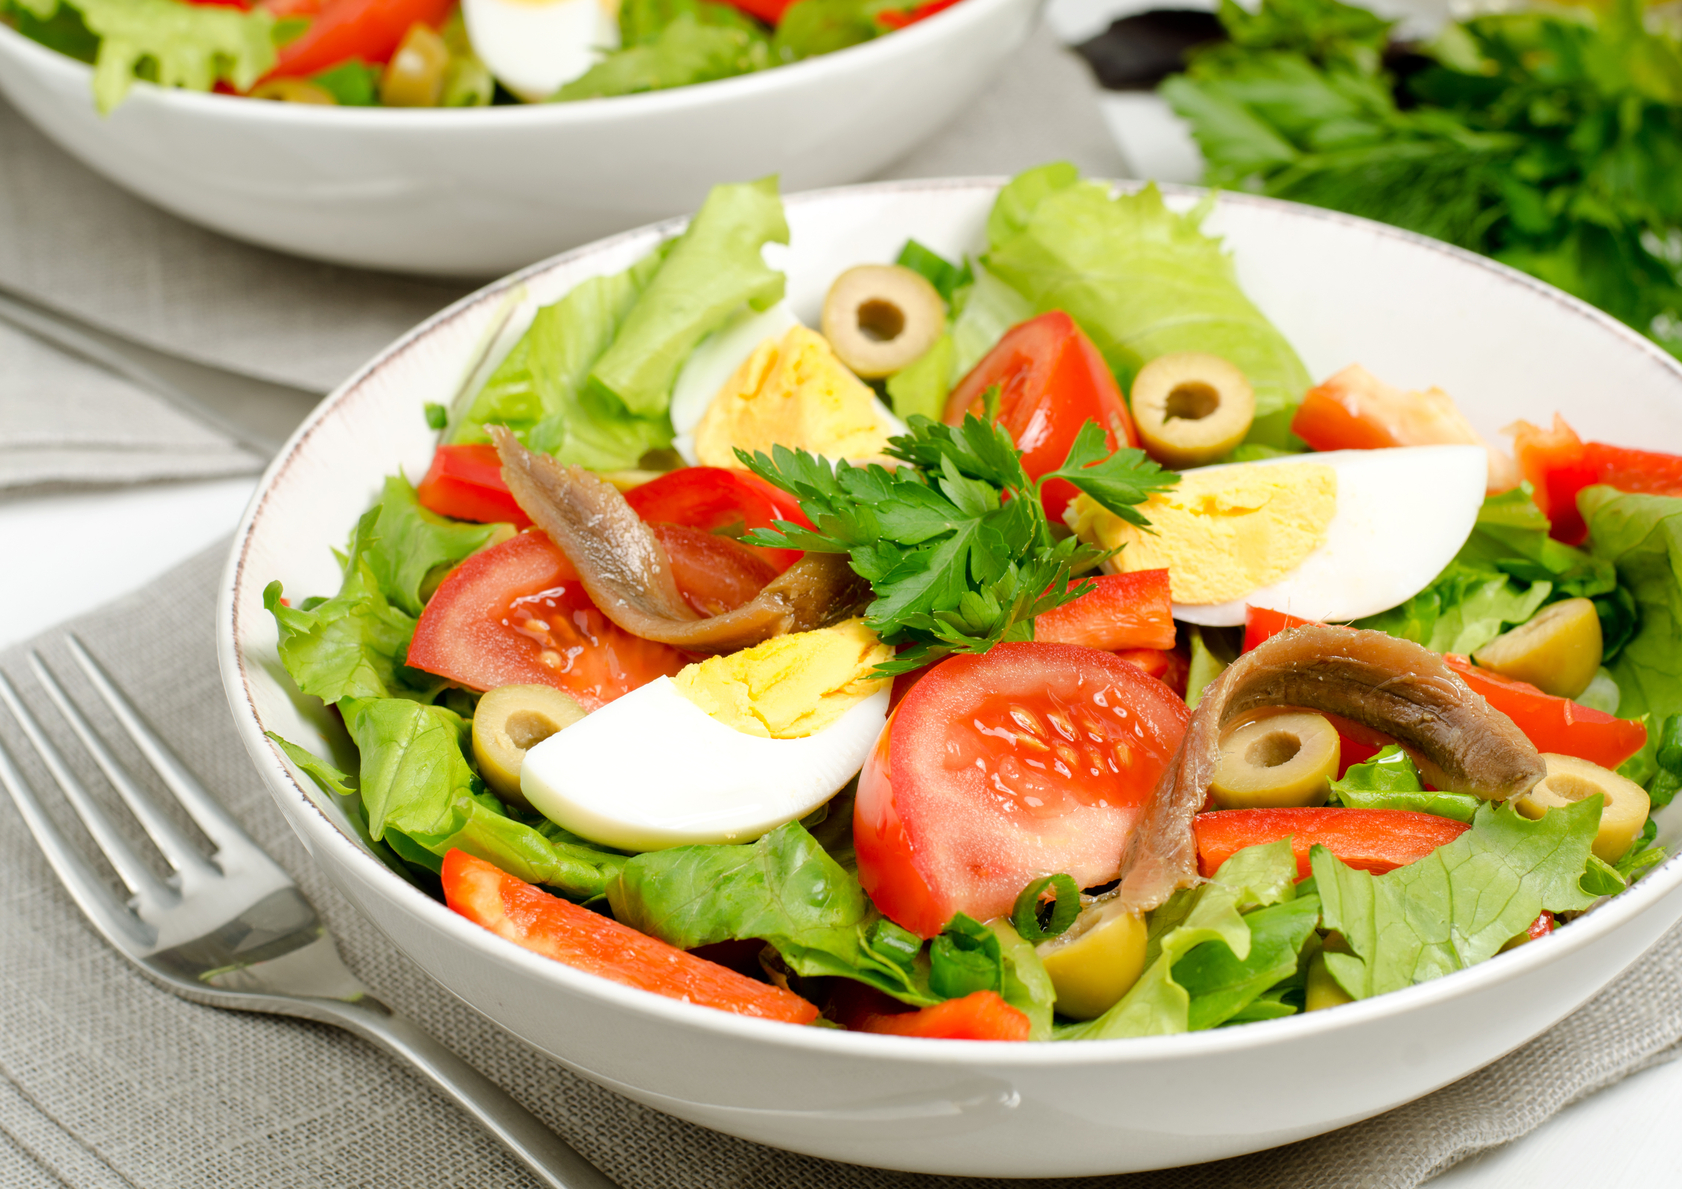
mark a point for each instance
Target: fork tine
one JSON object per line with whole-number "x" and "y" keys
{"x": 147, "y": 888}
{"x": 204, "y": 809}
{"x": 176, "y": 847}
{"x": 120, "y": 926}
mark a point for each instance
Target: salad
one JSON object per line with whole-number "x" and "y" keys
{"x": 1030, "y": 650}
{"x": 444, "y": 53}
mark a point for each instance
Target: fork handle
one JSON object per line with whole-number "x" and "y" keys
{"x": 550, "y": 1159}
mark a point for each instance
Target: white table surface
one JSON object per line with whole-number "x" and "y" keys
{"x": 87, "y": 548}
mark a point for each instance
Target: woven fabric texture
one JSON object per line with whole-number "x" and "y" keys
{"x": 107, "y": 1081}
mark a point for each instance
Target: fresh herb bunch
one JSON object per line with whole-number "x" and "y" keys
{"x": 955, "y": 543}
{"x": 1550, "y": 141}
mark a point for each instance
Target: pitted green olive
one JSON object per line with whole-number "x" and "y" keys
{"x": 880, "y": 318}
{"x": 1096, "y": 961}
{"x": 1275, "y": 762}
{"x": 1191, "y": 408}
{"x": 1558, "y": 651}
{"x": 1322, "y": 990}
{"x": 294, "y": 90}
{"x": 414, "y": 77}
{"x": 1623, "y": 812}
{"x": 510, "y": 721}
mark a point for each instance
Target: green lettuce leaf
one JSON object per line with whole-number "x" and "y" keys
{"x": 934, "y": 268}
{"x": 1025, "y": 984}
{"x": 539, "y": 392}
{"x": 812, "y": 27}
{"x": 1142, "y": 281}
{"x": 1212, "y": 913}
{"x": 1460, "y": 904}
{"x": 408, "y": 543}
{"x": 1219, "y": 984}
{"x": 982, "y": 310}
{"x": 921, "y": 387}
{"x": 1390, "y": 780}
{"x": 1464, "y": 608}
{"x": 170, "y": 43}
{"x": 353, "y": 644}
{"x": 692, "y": 48}
{"x": 784, "y": 889}
{"x": 1508, "y": 569}
{"x": 713, "y": 269}
{"x": 422, "y": 797}
{"x": 1641, "y": 535}
{"x": 642, "y": 21}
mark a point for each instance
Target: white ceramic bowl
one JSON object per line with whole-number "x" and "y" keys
{"x": 481, "y": 192}
{"x": 1415, "y": 311}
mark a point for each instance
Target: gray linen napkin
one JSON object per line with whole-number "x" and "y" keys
{"x": 63, "y": 421}
{"x": 106, "y": 1081}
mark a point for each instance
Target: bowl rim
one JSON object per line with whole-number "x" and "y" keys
{"x": 852, "y": 59}
{"x": 1150, "y": 1050}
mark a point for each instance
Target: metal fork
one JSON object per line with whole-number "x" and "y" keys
{"x": 232, "y": 930}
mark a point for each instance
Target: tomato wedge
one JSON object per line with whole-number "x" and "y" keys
{"x": 1555, "y": 724}
{"x": 516, "y": 614}
{"x": 533, "y": 919}
{"x": 1051, "y": 381}
{"x": 769, "y": 11}
{"x": 999, "y": 767}
{"x": 466, "y": 482}
{"x": 717, "y": 500}
{"x": 715, "y": 573}
{"x": 981, "y": 1015}
{"x": 1120, "y": 611}
{"x": 1374, "y": 840}
{"x": 1559, "y": 464}
{"x": 367, "y": 29}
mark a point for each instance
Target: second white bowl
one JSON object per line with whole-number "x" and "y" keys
{"x": 482, "y": 191}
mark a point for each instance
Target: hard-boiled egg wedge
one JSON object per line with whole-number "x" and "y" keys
{"x": 728, "y": 749}
{"x": 1332, "y": 536}
{"x": 532, "y": 47}
{"x": 785, "y": 387}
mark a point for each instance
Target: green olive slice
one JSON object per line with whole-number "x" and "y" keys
{"x": 510, "y": 721}
{"x": 1096, "y": 961}
{"x": 881, "y": 318}
{"x": 1321, "y": 989}
{"x": 1191, "y": 408}
{"x": 1623, "y": 812}
{"x": 1278, "y": 761}
{"x": 293, "y": 90}
{"x": 1558, "y": 650}
{"x": 414, "y": 77}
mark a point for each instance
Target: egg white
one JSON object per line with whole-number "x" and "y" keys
{"x": 1402, "y": 514}
{"x": 653, "y": 770}
{"x": 532, "y": 47}
{"x": 716, "y": 358}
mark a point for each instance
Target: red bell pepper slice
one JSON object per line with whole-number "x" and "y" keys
{"x": 1559, "y": 464}
{"x": 769, "y": 11}
{"x": 1375, "y": 840}
{"x": 982, "y": 1015}
{"x": 901, "y": 18}
{"x": 1120, "y": 611}
{"x": 533, "y": 919}
{"x": 1555, "y": 724}
{"x": 367, "y": 29}
{"x": 466, "y": 482}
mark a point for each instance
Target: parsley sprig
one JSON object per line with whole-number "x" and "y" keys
{"x": 955, "y": 543}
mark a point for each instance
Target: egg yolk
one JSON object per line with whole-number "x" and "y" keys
{"x": 1221, "y": 533}
{"x": 792, "y": 392}
{"x": 790, "y": 686}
